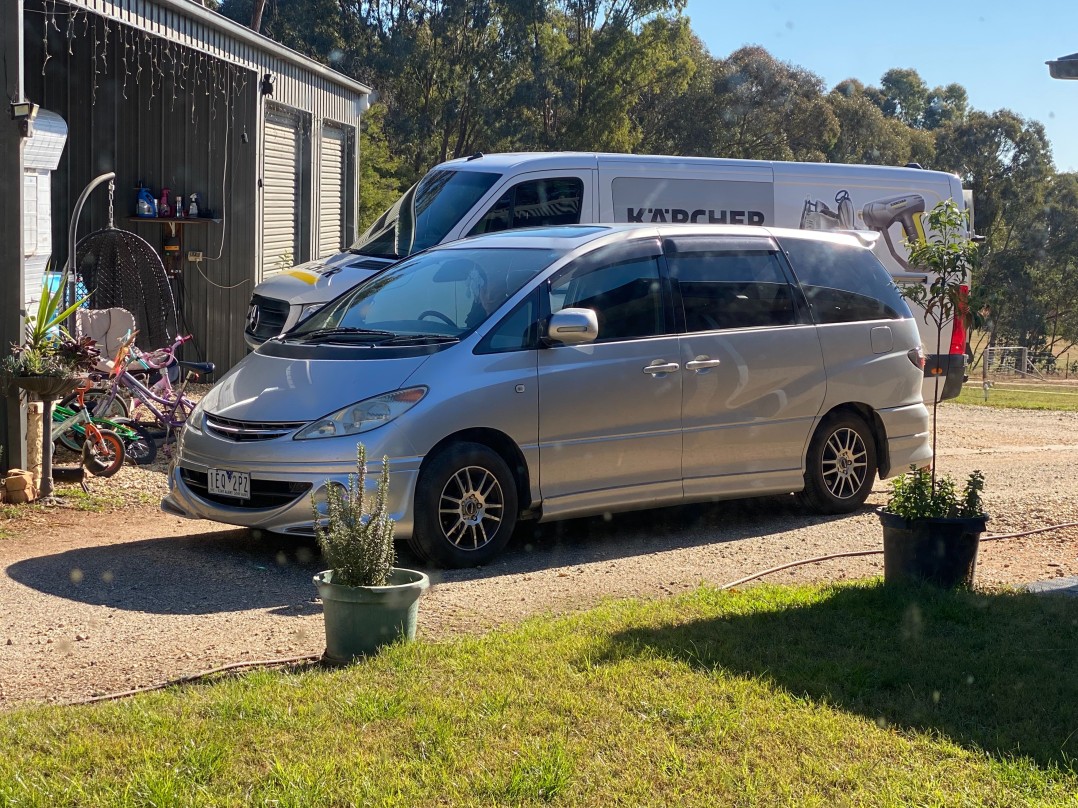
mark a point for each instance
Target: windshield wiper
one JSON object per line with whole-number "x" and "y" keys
{"x": 322, "y": 334}
{"x": 419, "y": 339}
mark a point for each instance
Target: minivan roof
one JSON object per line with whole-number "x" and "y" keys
{"x": 564, "y": 238}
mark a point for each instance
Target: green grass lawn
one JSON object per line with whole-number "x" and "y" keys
{"x": 809, "y": 696}
{"x": 1020, "y": 396}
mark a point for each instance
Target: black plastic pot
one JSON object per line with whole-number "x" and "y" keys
{"x": 939, "y": 551}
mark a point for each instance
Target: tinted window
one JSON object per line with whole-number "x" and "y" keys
{"x": 844, "y": 283}
{"x": 626, "y": 297}
{"x": 425, "y": 213}
{"x": 516, "y": 332}
{"x": 533, "y": 204}
{"x": 744, "y": 289}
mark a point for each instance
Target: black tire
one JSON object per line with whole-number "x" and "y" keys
{"x": 141, "y": 449}
{"x": 117, "y": 409}
{"x": 465, "y": 507}
{"x": 840, "y": 466}
{"x": 106, "y": 459}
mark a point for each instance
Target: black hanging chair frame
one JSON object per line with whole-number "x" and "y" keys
{"x": 118, "y": 268}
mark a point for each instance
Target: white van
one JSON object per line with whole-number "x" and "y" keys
{"x": 489, "y": 193}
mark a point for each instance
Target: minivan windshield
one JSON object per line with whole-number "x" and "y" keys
{"x": 439, "y": 296}
{"x": 425, "y": 213}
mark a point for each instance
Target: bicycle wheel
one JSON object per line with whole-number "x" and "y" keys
{"x": 105, "y": 456}
{"x": 96, "y": 399}
{"x": 139, "y": 444}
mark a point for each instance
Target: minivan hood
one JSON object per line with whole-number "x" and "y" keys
{"x": 322, "y": 280}
{"x": 279, "y": 389}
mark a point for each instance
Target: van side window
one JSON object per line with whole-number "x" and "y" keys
{"x": 555, "y": 200}
{"x": 743, "y": 289}
{"x": 625, "y": 296}
{"x": 518, "y": 330}
{"x": 844, "y": 283}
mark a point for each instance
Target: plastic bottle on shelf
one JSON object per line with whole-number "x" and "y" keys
{"x": 192, "y": 211}
{"x": 179, "y": 206}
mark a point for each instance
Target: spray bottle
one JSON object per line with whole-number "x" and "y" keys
{"x": 192, "y": 211}
{"x": 163, "y": 209}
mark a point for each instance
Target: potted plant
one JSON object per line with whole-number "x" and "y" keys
{"x": 931, "y": 531}
{"x": 367, "y": 602}
{"x": 49, "y": 358}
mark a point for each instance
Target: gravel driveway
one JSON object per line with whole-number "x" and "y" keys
{"x": 101, "y": 602}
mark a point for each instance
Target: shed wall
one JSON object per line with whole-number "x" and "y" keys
{"x": 179, "y": 107}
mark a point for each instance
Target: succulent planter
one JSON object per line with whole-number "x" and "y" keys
{"x": 47, "y": 388}
{"x": 361, "y": 619}
{"x": 939, "y": 551}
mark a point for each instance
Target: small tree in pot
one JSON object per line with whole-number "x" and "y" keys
{"x": 367, "y": 602}
{"x": 931, "y": 531}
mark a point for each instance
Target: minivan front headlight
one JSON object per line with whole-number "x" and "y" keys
{"x": 363, "y": 416}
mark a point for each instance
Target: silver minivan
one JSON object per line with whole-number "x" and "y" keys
{"x": 567, "y": 371}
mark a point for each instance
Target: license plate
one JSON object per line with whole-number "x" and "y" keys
{"x": 229, "y": 483}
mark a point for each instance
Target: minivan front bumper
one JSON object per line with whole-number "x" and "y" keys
{"x": 285, "y": 490}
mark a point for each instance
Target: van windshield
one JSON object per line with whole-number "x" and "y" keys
{"x": 425, "y": 213}
{"x": 437, "y": 296}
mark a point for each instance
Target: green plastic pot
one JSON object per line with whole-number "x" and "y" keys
{"x": 939, "y": 551}
{"x": 361, "y": 619}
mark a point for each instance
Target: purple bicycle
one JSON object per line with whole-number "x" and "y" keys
{"x": 150, "y": 402}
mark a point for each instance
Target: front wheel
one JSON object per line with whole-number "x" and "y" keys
{"x": 465, "y": 507}
{"x": 840, "y": 465}
{"x": 103, "y": 456}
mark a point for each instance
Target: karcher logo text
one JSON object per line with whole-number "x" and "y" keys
{"x": 699, "y": 216}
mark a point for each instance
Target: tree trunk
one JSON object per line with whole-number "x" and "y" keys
{"x": 256, "y": 15}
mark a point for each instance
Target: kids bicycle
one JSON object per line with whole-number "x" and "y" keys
{"x": 167, "y": 408}
{"x": 102, "y": 449}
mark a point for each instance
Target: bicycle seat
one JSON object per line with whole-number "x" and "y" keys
{"x": 198, "y": 367}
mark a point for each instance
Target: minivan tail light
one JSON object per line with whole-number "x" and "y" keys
{"x": 917, "y": 356}
{"x": 958, "y": 332}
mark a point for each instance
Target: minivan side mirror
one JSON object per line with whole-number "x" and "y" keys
{"x": 573, "y": 327}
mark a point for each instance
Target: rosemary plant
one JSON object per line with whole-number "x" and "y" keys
{"x": 358, "y": 543}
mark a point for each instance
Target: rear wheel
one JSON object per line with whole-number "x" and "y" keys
{"x": 98, "y": 402}
{"x": 104, "y": 456}
{"x": 139, "y": 443}
{"x": 840, "y": 465}
{"x": 465, "y": 507}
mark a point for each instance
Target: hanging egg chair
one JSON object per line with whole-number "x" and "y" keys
{"x": 120, "y": 269}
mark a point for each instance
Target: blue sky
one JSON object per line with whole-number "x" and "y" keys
{"x": 995, "y": 49}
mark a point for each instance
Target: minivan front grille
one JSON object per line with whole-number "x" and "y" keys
{"x": 265, "y": 494}
{"x": 247, "y": 431}
{"x": 266, "y": 317}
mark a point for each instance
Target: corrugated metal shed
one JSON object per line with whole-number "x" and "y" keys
{"x": 168, "y": 93}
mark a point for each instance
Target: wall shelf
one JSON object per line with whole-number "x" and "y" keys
{"x": 171, "y": 220}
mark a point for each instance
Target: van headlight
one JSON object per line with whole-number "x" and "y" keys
{"x": 363, "y": 416}
{"x": 307, "y": 310}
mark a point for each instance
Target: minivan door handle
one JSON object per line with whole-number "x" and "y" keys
{"x": 659, "y": 366}
{"x": 702, "y": 363}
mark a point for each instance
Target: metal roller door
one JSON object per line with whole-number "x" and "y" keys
{"x": 280, "y": 193}
{"x": 331, "y": 191}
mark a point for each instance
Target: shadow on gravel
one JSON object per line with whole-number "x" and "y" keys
{"x": 198, "y": 574}
{"x": 622, "y": 535}
{"x": 239, "y": 570}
